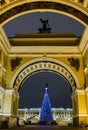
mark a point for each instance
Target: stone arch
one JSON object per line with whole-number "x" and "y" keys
{"x": 69, "y": 8}
{"x": 44, "y": 64}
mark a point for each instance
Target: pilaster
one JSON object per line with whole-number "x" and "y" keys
{"x": 1, "y": 99}
{"x": 86, "y": 92}
{"x": 15, "y": 101}
{"x": 7, "y": 103}
{"x": 86, "y": 75}
{"x": 10, "y": 103}
{"x": 80, "y": 116}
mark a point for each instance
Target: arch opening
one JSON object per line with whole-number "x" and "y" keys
{"x": 32, "y": 96}
{"x": 41, "y": 65}
{"x": 32, "y": 90}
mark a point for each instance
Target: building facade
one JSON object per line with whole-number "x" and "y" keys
{"x": 62, "y": 116}
{"x": 70, "y": 60}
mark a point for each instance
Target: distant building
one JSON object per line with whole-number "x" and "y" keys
{"x": 63, "y": 116}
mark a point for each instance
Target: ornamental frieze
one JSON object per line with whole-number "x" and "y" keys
{"x": 44, "y": 66}
{"x": 43, "y": 5}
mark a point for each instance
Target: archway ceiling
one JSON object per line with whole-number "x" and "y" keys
{"x": 76, "y": 9}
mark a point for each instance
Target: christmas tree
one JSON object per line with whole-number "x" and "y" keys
{"x": 46, "y": 113}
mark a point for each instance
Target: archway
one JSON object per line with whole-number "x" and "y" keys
{"x": 77, "y": 10}
{"x": 31, "y": 95}
{"x": 45, "y": 64}
{"x": 32, "y": 90}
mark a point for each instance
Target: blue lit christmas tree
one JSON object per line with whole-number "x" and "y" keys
{"x": 46, "y": 113}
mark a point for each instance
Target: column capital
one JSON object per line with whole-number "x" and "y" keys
{"x": 9, "y": 91}
{"x": 2, "y": 89}
{"x": 86, "y": 90}
{"x": 86, "y": 69}
{"x": 80, "y": 91}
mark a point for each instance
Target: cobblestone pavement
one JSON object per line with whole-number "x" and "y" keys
{"x": 36, "y": 127}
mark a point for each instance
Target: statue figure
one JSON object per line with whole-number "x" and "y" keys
{"x": 45, "y": 28}
{"x": 45, "y": 23}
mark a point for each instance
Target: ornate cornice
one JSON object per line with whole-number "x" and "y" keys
{"x": 44, "y": 49}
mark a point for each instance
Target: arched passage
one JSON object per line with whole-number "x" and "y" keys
{"x": 44, "y": 64}
{"x": 32, "y": 90}
{"x": 70, "y": 8}
{"x": 50, "y": 64}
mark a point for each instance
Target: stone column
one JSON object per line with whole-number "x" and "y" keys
{"x": 86, "y": 75}
{"x": 86, "y": 91}
{"x": 74, "y": 106}
{"x": 1, "y": 99}
{"x": 10, "y": 107}
{"x": 7, "y": 102}
{"x": 15, "y": 101}
{"x": 10, "y": 102}
{"x": 80, "y": 110}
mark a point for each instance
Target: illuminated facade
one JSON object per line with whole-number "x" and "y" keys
{"x": 62, "y": 116}
{"x": 68, "y": 60}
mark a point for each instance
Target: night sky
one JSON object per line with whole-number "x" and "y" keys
{"x": 33, "y": 88}
{"x": 29, "y": 23}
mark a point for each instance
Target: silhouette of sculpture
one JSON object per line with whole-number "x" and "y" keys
{"x": 45, "y": 26}
{"x": 45, "y": 23}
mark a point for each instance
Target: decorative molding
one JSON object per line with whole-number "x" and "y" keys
{"x": 44, "y": 66}
{"x": 4, "y": 42}
{"x": 81, "y": 115}
{"x": 15, "y": 62}
{"x": 44, "y": 50}
{"x": 9, "y": 91}
{"x": 43, "y": 5}
{"x": 2, "y": 2}
{"x": 74, "y": 62}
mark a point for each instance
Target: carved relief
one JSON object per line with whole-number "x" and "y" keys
{"x": 43, "y": 5}
{"x": 74, "y": 62}
{"x": 81, "y": 1}
{"x": 2, "y": 2}
{"x": 43, "y": 65}
{"x": 15, "y": 62}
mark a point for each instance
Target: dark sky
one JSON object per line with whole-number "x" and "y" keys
{"x": 32, "y": 91}
{"x": 29, "y": 23}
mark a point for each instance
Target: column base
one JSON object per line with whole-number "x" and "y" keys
{"x": 8, "y": 122}
{"x": 80, "y": 121}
